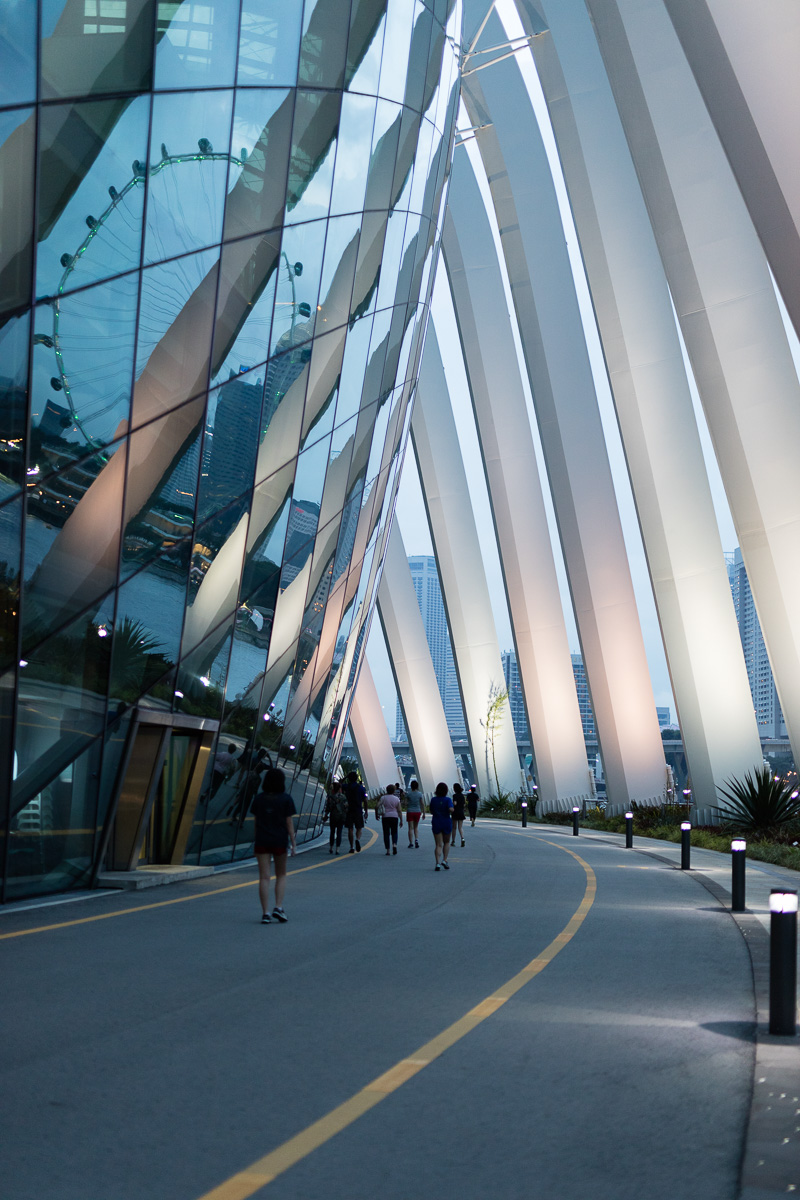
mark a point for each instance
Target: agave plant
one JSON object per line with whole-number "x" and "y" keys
{"x": 760, "y": 804}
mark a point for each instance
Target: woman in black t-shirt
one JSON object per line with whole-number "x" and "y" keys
{"x": 273, "y": 810}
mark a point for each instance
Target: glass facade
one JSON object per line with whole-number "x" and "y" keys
{"x": 219, "y": 224}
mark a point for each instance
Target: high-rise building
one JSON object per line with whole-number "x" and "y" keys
{"x": 759, "y": 672}
{"x": 515, "y": 697}
{"x": 584, "y": 700}
{"x": 431, "y": 605}
{"x": 663, "y": 715}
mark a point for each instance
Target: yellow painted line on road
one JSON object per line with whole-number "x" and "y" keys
{"x": 124, "y": 912}
{"x": 262, "y": 1172}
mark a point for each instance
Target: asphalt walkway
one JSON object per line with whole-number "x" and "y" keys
{"x": 554, "y": 1017}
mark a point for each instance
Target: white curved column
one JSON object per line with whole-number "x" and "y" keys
{"x": 653, "y": 403}
{"x": 464, "y": 588}
{"x": 370, "y": 733}
{"x": 745, "y": 62}
{"x": 558, "y": 366}
{"x": 724, "y": 299}
{"x": 412, "y": 666}
{"x": 515, "y": 493}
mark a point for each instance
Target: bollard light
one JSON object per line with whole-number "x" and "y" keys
{"x": 783, "y": 963}
{"x": 686, "y": 845}
{"x": 738, "y": 859}
{"x": 576, "y": 812}
{"x": 628, "y": 830}
{"x": 524, "y": 814}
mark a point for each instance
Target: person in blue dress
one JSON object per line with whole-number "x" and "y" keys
{"x": 441, "y": 810}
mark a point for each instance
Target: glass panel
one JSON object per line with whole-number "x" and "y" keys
{"x": 196, "y": 43}
{"x": 175, "y": 321}
{"x": 231, "y": 442}
{"x": 322, "y": 49}
{"x": 71, "y": 540}
{"x": 10, "y": 556}
{"x": 262, "y": 125}
{"x": 216, "y": 569}
{"x": 148, "y": 628}
{"x": 188, "y": 172}
{"x": 163, "y": 469}
{"x": 269, "y": 40}
{"x": 323, "y": 384}
{"x": 353, "y": 369}
{"x": 299, "y": 275}
{"x": 248, "y": 275}
{"x": 17, "y": 135}
{"x": 364, "y": 47}
{"x": 353, "y": 154}
{"x": 202, "y": 675}
{"x": 395, "y": 64}
{"x": 390, "y": 263}
{"x": 418, "y": 57}
{"x": 17, "y": 52}
{"x": 13, "y": 403}
{"x": 51, "y": 838}
{"x": 341, "y": 251}
{"x": 93, "y": 46}
{"x": 83, "y": 368}
{"x": 316, "y": 122}
{"x": 265, "y": 548}
{"x": 385, "y": 138}
{"x": 91, "y": 192}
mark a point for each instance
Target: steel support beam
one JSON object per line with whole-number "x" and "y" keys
{"x": 464, "y": 588}
{"x": 370, "y": 734}
{"x": 653, "y": 403}
{"x": 515, "y": 494}
{"x": 731, "y": 322}
{"x": 412, "y": 666}
{"x": 557, "y": 361}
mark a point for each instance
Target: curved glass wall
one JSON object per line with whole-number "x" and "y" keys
{"x": 218, "y": 230}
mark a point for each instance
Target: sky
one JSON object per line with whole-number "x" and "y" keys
{"x": 410, "y": 511}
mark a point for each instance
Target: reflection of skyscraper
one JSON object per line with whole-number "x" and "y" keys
{"x": 515, "y": 699}
{"x": 285, "y": 366}
{"x": 584, "y": 701}
{"x": 431, "y": 605}
{"x": 759, "y": 673}
{"x": 234, "y": 440}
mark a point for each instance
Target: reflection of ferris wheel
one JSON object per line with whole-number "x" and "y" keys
{"x": 60, "y": 381}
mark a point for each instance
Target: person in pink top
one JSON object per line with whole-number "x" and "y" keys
{"x": 391, "y": 817}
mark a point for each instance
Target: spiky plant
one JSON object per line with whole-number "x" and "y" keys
{"x": 761, "y": 804}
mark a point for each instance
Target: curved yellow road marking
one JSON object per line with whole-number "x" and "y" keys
{"x": 124, "y": 912}
{"x": 245, "y": 1183}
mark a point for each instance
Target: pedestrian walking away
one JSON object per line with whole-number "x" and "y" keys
{"x": 458, "y": 814}
{"x": 336, "y": 812}
{"x": 441, "y": 808}
{"x": 472, "y": 803}
{"x": 391, "y": 815}
{"x": 415, "y": 811}
{"x": 274, "y": 810}
{"x": 357, "y": 810}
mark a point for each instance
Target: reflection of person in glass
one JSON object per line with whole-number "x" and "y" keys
{"x": 222, "y": 768}
{"x": 273, "y": 810}
{"x": 441, "y": 808}
{"x": 246, "y": 785}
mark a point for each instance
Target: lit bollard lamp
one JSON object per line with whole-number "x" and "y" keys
{"x": 738, "y": 859}
{"x": 686, "y": 845}
{"x": 628, "y": 830}
{"x": 783, "y": 963}
{"x": 576, "y": 812}
{"x": 524, "y": 814}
